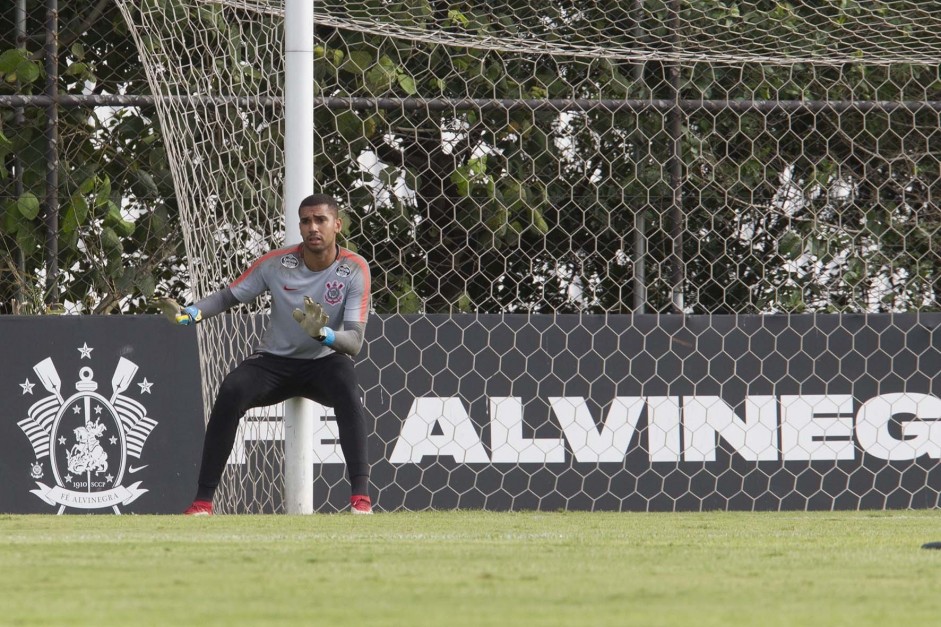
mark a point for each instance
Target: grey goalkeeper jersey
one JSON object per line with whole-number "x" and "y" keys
{"x": 343, "y": 289}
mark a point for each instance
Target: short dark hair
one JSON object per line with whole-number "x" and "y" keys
{"x": 321, "y": 199}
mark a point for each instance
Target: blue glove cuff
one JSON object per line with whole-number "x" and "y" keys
{"x": 328, "y": 336}
{"x": 194, "y": 314}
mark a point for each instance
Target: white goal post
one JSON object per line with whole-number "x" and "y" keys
{"x": 298, "y": 184}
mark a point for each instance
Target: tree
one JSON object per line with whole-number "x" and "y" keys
{"x": 784, "y": 208}
{"x": 794, "y": 203}
{"x": 116, "y": 199}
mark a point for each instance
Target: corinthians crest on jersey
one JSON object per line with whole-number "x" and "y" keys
{"x": 334, "y": 292}
{"x": 84, "y": 441}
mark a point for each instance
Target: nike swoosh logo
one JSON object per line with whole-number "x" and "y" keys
{"x": 133, "y": 469}
{"x": 290, "y": 289}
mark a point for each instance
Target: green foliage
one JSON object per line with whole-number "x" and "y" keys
{"x": 116, "y": 215}
{"x": 779, "y": 209}
{"x": 18, "y": 68}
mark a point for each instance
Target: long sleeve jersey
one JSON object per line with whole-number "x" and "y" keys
{"x": 343, "y": 289}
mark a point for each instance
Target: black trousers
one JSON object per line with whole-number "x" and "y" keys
{"x": 264, "y": 379}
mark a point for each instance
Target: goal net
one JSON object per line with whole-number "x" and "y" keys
{"x": 643, "y": 157}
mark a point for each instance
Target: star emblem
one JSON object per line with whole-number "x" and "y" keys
{"x": 113, "y": 440}
{"x": 77, "y": 409}
{"x": 62, "y": 440}
{"x": 85, "y": 351}
{"x": 27, "y": 387}
{"x": 68, "y": 478}
{"x": 145, "y": 386}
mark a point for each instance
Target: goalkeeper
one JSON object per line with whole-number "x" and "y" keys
{"x": 311, "y": 284}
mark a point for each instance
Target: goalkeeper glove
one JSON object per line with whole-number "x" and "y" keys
{"x": 189, "y": 315}
{"x": 314, "y": 320}
{"x": 177, "y": 315}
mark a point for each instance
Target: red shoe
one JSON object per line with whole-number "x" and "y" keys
{"x": 199, "y": 508}
{"x": 360, "y": 504}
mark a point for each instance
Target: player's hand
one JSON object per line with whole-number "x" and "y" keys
{"x": 313, "y": 319}
{"x": 176, "y": 314}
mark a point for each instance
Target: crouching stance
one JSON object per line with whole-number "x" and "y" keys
{"x": 312, "y": 284}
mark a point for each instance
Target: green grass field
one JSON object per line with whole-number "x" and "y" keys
{"x": 473, "y": 568}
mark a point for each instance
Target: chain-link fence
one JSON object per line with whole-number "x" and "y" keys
{"x": 704, "y": 157}
{"x": 90, "y": 223}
